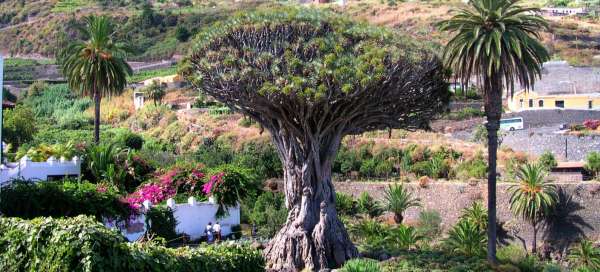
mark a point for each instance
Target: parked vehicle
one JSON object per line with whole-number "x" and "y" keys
{"x": 511, "y": 124}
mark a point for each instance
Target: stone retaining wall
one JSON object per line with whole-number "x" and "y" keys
{"x": 580, "y": 216}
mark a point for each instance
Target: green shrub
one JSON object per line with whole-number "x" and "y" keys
{"x": 345, "y": 204}
{"x": 269, "y": 213}
{"x": 58, "y": 199}
{"x": 403, "y": 237}
{"x": 466, "y": 238}
{"x": 585, "y": 256}
{"x": 212, "y": 153}
{"x": 474, "y": 168}
{"x": 53, "y": 99}
{"x": 367, "y": 168}
{"x": 476, "y": 214}
{"x": 592, "y": 163}
{"x": 236, "y": 184}
{"x": 435, "y": 260}
{"x": 162, "y": 223}
{"x": 547, "y": 160}
{"x": 465, "y": 113}
{"x": 83, "y": 244}
{"x": 262, "y": 157}
{"x": 19, "y": 125}
{"x": 367, "y": 205}
{"x": 429, "y": 225}
{"x": 361, "y": 265}
{"x": 128, "y": 139}
{"x": 512, "y": 254}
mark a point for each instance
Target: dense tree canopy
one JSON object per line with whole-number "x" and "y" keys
{"x": 320, "y": 73}
{"x": 311, "y": 77}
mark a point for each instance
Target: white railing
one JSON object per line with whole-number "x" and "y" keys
{"x": 38, "y": 171}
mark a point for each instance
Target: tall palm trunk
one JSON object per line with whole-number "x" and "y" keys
{"x": 97, "y": 117}
{"x": 534, "y": 242}
{"x": 493, "y": 111}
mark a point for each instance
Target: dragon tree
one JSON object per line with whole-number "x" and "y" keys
{"x": 310, "y": 78}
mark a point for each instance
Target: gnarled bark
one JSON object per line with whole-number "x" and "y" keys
{"x": 313, "y": 236}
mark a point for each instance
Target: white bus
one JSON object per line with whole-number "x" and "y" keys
{"x": 511, "y": 124}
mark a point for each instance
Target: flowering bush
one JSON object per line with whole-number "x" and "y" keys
{"x": 172, "y": 182}
{"x": 228, "y": 184}
{"x": 591, "y": 124}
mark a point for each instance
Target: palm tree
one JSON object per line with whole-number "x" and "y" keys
{"x": 497, "y": 42}
{"x": 96, "y": 67}
{"x": 156, "y": 91}
{"x": 398, "y": 199}
{"x": 533, "y": 198}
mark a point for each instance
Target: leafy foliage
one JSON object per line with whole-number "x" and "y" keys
{"x": 374, "y": 238}
{"x": 361, "y": 265}
{"x": 229, "y": 184}
{"x": 26, "y": 199}
{"x": 83, "y": 244}
{"x": 269, "y": 213}
{"x": 592, "y": 163}
{"x": 585, "y": 256}
{"x": 466, "y": 238}
{"x": 162, "y": 223}
{"x": 344, "y": 204}
{"x": 19, "y": 125}
{"x": 429, "y": 225}
{"x": 367, "y": 205}
{"x": 547, "y": 160}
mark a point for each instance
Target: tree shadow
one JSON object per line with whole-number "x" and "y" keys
{"x": 564, "y": 226}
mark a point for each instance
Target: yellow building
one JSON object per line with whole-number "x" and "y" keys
{"x": 561, "y": 87}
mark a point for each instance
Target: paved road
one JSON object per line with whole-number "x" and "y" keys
{"x": 536, "y": 141}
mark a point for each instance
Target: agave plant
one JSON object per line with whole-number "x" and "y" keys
{"x": 534, "y": 197}
{"x": 466, "y": 238}
{"x": 585, "y": 256}
{"x": 398, "y": 200}
{"x": 476, "y": 214}
{"x": 403, "y": 237}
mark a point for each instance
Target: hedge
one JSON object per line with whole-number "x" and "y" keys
{"x": 26, "y": 199}
{"x": 83, "y": 244}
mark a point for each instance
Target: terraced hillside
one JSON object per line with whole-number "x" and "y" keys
{"x": 161, "y": 29}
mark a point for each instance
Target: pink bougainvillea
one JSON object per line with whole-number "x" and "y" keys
{"x": 168, "y": 185}
{"x": 208, "y": 187}
{"x": 591, "y": 124}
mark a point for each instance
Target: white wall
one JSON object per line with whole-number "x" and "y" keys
{"x": 26, "y": 169}
{"x": 192, "y": 218}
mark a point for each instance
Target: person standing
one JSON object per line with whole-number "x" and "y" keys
{"x": 209, "y": 233}
{"x": 217, "y": 230}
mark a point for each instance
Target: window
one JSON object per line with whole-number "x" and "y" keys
{"x": 541, "y": 103}
{"x": 590, "y": 104}
{"x": 559, "y": 104}
{"x": 520, "y": 103}
{"x": 531, "y": 103}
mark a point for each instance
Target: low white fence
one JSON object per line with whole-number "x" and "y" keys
{"x": 192, "y": 218}
{"x": 29, "y": 170}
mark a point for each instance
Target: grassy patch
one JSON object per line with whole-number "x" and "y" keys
{"x": 143, "y": 75}
{"x": 71, "y": 5}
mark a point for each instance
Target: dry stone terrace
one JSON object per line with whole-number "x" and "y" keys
{"x": 449, "y": 199}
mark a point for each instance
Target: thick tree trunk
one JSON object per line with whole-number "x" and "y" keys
{"x": 493, "y": 110}
{"x": 97, "y": 117}
{"x": 313, "y": 237}
{"x": 398, "y": 218}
